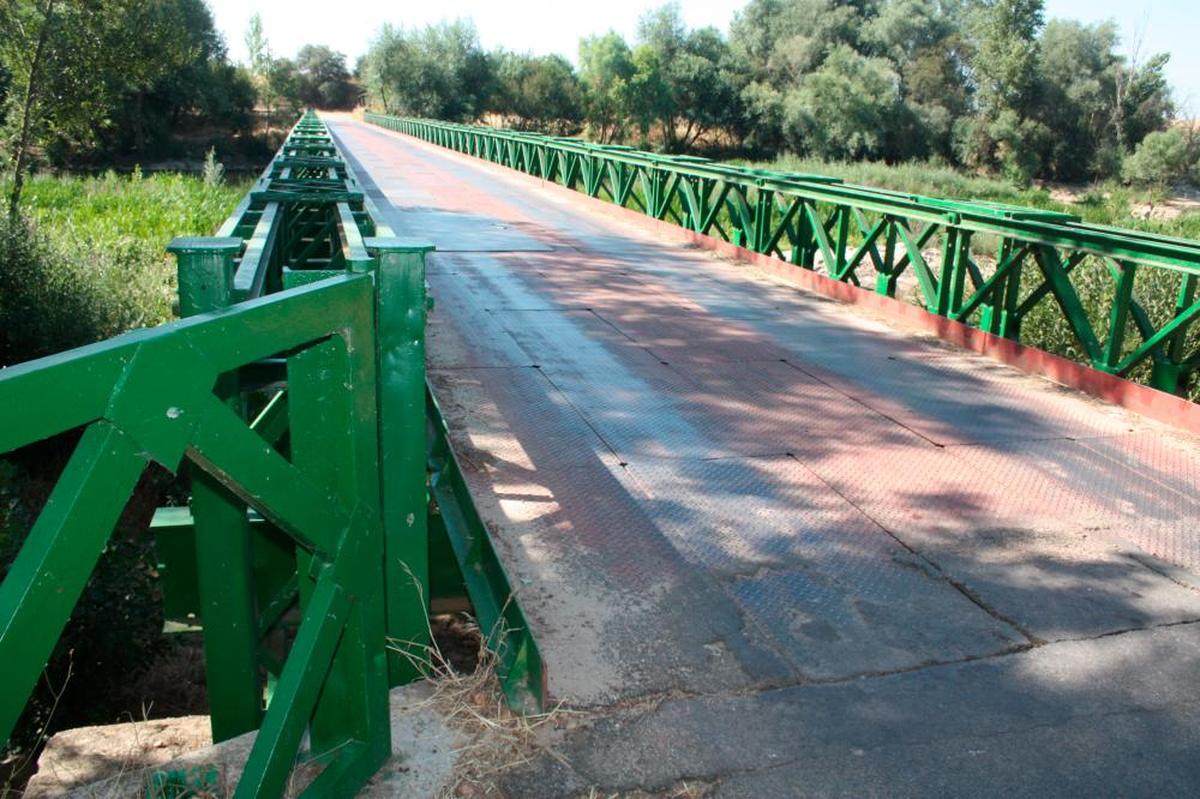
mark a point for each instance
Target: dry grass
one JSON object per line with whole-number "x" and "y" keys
{"x": 465, "y": 691}
{"x": 473, "y": 703}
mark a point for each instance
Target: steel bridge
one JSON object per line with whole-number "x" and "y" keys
{"x": 761, "y": 475}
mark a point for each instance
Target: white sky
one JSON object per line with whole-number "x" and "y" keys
{"x": 555, "y": 27}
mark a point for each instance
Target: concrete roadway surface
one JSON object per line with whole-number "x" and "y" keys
{"x": 772, "y": 546}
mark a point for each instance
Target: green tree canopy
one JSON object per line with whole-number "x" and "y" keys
{"x": 606, "y": 72}
{"x": 439, "y": 71}
{"x": 845, "y": 108}
{"x": 536, "y": 92}
{"x": 71, "y": 62}
{"x": 986, "y": 84}
{"x": 690, "y": 77}
{"x": 323, "y": 79}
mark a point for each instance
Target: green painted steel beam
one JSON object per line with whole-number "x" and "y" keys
{"x": 497, "y": 609}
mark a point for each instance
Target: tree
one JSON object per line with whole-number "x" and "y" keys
{"x": 283, "y": 80}
{"x": 1005, "y": 132}
{"x": 536, "y": 93}
{"x": 923, "y": 41}
{"x": 773, "y": 45}
{"x": 381, "y": 67}
{"x": 1078, "y": 74}
{"x": 606, "y": 71}
{"x": 164, "y": 24}
{"x": 196, "y": 87}
{"x": 323, "y": 80}
{"x": 1165, "y": 157}
{"x": 68, "y": 61}
{"x": 689, "y": 73}
{"x": 844, "y": 109}
{"x": 1143, "y": 101}
{"x": 778, "y": 42}
{"x": 982, "y": 83}
{"x": 271, "y": 74}
{"x": 439, "y": 71}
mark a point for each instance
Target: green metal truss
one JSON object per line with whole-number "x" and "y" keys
{"x": 858, "y": 235}
{"x": 294, "y": 391}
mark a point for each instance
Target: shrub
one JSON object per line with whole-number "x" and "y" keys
{"x": 1165, "y": 157}
{"x": 87, "y": 260}
{"x": 58, "y": 292}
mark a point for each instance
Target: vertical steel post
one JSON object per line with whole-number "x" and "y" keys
{"x": 764, "y": 218}
{"x": 950, "y": 282}
{"x": 400, "y": 307}
{"x": 224, "y": 559}
{"x": 991, "y": 312}
{"x": 885, "y": 279}
{"x": 1167, "y": 374}
{"x": 1118, "y": 317}
{"x": 841, "y": 263}
{"x": 804, "y": 249}
{"x": 1010, "y": 321}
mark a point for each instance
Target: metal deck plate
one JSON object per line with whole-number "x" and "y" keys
{"x": 713, "y": 486}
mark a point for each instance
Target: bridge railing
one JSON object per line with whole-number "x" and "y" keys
{"x": 156, "y": 396}
{"x": 1126, "y": 300}
{"x": 294, "y": 393}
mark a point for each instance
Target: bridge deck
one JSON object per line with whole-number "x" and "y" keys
{"x": 775, "y": 546}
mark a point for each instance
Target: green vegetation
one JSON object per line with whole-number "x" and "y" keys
{"x": 86, "y": 259}
{"x": 1165, "y": 157}
{"x": 316, "y": 78}
{"x": 984, "y": 85}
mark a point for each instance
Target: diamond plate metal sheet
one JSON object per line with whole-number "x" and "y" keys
{"x": 675, "y": 336}
{"x": 832, "y": 589}
{"x": 718, "y": 520}
{"x": 461, "y": 334}
{"x": 593, "y": 571}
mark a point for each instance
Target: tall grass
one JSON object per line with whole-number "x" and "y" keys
{"x": 86, "y": 260}
{"x": 114, "y": 209}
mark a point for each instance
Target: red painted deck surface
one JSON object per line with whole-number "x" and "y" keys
{"x": 705, "y": 481}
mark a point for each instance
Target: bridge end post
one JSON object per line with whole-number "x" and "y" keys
{"x": 400, "y": 310}
{"x": 224, "y": 548}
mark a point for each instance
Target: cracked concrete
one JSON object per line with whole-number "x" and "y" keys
{"x": 773, "y": 546}
{"x": 1104, "y": 716}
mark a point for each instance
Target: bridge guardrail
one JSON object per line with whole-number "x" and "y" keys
{"x": 1046, "y": 262}
{"x": 149, "y": 396}
{"x": 294, "y": 390}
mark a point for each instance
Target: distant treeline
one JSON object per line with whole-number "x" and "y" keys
{"x": 983, "y": 84}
